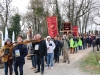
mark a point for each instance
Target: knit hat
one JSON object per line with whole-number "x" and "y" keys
{"x": 8, "y": 39}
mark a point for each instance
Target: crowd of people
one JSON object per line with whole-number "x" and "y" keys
{"x": 57, "y": 46}
{"x": 44, "y": 52}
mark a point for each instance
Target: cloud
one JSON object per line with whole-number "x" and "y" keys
{"x": 21, "y": 5}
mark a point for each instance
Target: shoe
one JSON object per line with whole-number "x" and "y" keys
{"x": 55, "y": 61}
{"x": 64, "y": 61}
{"x": 34, "y": 69}
{"x": 37, "y": 71}
{"x": 42, "y": 73}
{"x": 51, "y": 67}
{"x": 46, "y": 65}
{"x": 68, "y": 62}
{"x": 46, "y": 68}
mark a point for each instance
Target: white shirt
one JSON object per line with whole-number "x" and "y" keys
{"x": 50, "y": 46}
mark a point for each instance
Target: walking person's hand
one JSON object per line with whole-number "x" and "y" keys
{"x": 47, "y": 47}
{"x": 2, "y": 55}
{"x": 10, "y": 58}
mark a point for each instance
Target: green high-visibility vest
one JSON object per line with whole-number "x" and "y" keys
{"x": 71, "y": 42}
{"x": 80, "y": 42}
{"x": 76, "y": 44}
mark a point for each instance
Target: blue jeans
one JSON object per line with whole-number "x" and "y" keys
{"x": 50, "y": 57}
{"x": 20, "y": 68}
{"x": 6, "y": 65}
{"x": 34, "y": 60}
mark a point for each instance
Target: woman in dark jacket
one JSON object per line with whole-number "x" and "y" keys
{"x": 56, "y": 50}
{"x": 98, "y": 43}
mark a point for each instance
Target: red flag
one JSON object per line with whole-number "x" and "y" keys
{"x": 52, "y": 26}
{"x": 75, "y": 30}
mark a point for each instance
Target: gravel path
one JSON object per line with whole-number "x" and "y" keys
{"x": 60, "y": 68}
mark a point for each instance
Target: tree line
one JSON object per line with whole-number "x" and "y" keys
{"x": 77, "y": 12}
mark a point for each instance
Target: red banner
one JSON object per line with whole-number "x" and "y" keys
{"x": 52, "y": 26}
{"x": 75, "y": 30}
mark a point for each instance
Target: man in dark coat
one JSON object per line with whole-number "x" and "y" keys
{"x": 19, "y": 53}
{"x": 98, "y": 43}
{"x": 56, "y": 50}
{"x": 41, "y": 51}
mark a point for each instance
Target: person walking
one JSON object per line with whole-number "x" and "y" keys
{"x": 80, "y": 43}
{"x": 75, "y": 44}
{"x": 71, "y": 45}
{"x": 6, "y": 55}
{"x": 57, "y": 49}
{"x": 50, "y": 52}
{"x": 19, "y": 53}
{"x": 40, "y": 49}
{"x": 33, "y": 56}
{"x": 65, "y": 49}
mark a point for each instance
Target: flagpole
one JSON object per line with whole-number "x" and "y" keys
{"x": 6, "y": 33}
{"x": 13, "y": 37}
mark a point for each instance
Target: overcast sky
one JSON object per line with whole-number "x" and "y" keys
{"x": 22, "y": 5}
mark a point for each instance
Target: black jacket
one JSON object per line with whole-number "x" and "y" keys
{"x": 58, "y": 44}
{"x": 98, "y": 41}
{"x": 23, "y": 52}
{"x": 42, "y": 48}
{"x": 88, "y": 40}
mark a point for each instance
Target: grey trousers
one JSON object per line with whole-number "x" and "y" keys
{"x": 66, "y": 56}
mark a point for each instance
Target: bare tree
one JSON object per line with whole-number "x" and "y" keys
{"x": 36, "y": 16}
{"x": 98, "y": 15}
{"x": 4, "y": 15}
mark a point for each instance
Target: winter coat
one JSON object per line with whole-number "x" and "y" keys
{"x": 65, "y": 45}
{"x": 23, "y": 52}
{"x": 50, "y": 46}
{"x": 42, "y": 51}
{"x": 5, "y": 58}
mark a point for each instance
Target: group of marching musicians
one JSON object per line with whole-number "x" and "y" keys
{"x": 44, "y": 52}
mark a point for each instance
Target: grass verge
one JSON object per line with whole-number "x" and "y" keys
{"x": 89, "y": 63}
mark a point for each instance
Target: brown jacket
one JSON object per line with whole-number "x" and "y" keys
{"x": 6, "y": 57}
